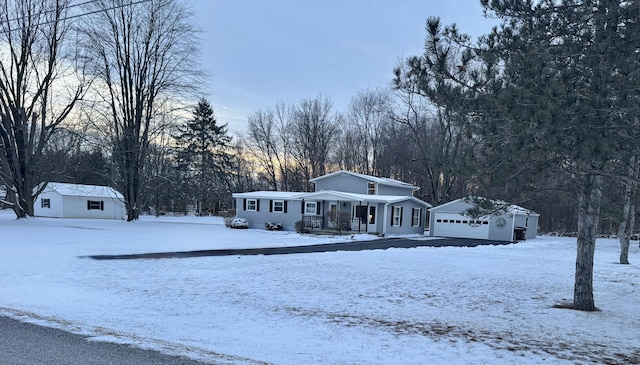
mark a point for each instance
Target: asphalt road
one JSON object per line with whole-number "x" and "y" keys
{"x": 28, "y": 344}
{"x": 381, "y": 244}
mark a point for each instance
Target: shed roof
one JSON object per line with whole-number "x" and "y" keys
{"x": 97, "y": 191}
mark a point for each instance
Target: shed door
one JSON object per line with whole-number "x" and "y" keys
{"x": 459, "y": 226}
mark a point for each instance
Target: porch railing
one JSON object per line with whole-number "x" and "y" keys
{"x": 312, "y": 222}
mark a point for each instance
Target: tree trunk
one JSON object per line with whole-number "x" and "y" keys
{"x": 626, "y": 225}
{"x": 589, "y": 211}
{"x": 624, "y": 249}
{"x": 628, "y": 212}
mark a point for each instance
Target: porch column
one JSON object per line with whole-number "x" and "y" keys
{"x": 384, "y": 220}
{"x": 366, "y": 217}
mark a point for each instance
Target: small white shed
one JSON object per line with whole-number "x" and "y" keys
{"x": 510, "y": 223}
{"x": 62, "y": 200}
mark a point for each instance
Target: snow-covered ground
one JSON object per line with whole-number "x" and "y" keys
{"x": 482, "y": 305}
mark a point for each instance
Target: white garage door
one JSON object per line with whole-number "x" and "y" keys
{"x": 456, "y": 225}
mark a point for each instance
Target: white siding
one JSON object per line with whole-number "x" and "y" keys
{"x": 55, "y": 205}
{"x": 76, "y": 207}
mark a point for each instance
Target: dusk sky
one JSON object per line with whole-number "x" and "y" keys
{"x": 258, "y": 53}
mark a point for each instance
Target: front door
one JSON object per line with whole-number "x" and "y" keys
{"x": 371, "y": 227}
{"x": 333, "y": 208}
{"x": 360, "y": 218}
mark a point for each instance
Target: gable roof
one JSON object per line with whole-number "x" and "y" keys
{"x": 97, "y": 191}
{"x": 379, "y": 180}
{"x": 512, "y": 208}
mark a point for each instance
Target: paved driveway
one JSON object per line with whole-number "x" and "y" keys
{"x": 380, "y": 244}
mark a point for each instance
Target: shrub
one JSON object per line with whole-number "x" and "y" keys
{"x": 273, "y": 226}
{"x": 239, "y": 223}
{"x": 227, "y": 221}
{"x": 300, "y": 227}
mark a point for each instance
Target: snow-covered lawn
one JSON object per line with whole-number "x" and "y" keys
{"x": 482, "y": 305}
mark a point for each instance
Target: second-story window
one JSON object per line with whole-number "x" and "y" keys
{"x": 371, "y": 188}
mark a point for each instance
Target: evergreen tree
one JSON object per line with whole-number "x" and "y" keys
{"x": 563, "y": 99}
{"x": 552, "y": 92}
{"x": 202, "y": 147}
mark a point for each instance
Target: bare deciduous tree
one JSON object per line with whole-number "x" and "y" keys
{"x": 369, "y": 112}
{"x": 264, "y": 144}
{"x": 144, "y": 56}
{"x": 35, "y": 71}
{"x": 313, "y": 128}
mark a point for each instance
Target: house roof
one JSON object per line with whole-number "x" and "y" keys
{"x": 66, "y": 189}
{"x": 339, "y": 195}
{"x": 329, "y": 195}
{"x": 284, "y": 195}
{"x": 516, "y": 209}
{"x": 379, "y": 180}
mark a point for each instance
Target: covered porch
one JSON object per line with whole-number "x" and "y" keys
{"x": 342, "y": 212}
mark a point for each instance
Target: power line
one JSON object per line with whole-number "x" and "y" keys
{"x": 51, "y": 11}
{"x": 75, "y": 16}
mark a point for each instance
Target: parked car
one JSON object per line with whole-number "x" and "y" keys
{"x": 239, "y": 223}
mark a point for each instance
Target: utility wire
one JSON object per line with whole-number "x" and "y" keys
{"x": 53, "y": 10}
{"x": 77, "y": 15}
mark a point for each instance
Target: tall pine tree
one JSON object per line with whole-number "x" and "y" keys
{"x": 554, "y": 91}
{"x": 564, "y": 99}
{"x": 202, "y": 147}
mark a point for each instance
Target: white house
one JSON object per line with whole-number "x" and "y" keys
{"x": 508, "y": 223}
{"x": 370, "y": 204}
{"x": 62, "y": 200}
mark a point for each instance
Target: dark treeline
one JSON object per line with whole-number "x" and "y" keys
{"x": 383, "y": 133}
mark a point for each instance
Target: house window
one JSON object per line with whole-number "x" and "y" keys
{"x": 278, "y": 206}
{"x": 396, "y": 217}
{"x": 371, "y": 188}
{"x": 95, "y": 205}
{"x": 416, "y": 217}
{"x": 252, "y": 205}
{"x": 310, "y": 208}
{"x": 45, "y": 203}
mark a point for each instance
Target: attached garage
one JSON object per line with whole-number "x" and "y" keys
{"x": 509, "y": 223}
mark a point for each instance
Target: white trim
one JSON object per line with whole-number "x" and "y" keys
{"x": 394, "y": 216}
{"x": 308, "y": 211}
{"x": 413, "y": 217}
{"x": 255, "y": 205}
{"x": 273, "y": 206}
